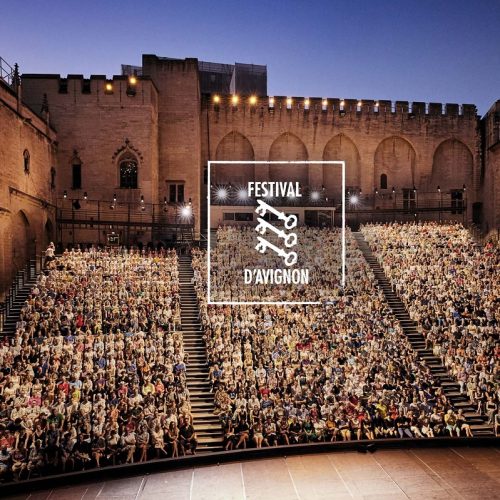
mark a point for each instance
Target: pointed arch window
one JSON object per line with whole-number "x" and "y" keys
{"x": 383, "y": 181}
{"x": 128, "y": 172}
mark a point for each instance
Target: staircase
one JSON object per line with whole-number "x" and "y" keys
{"x": 16, "y": 297}
{"x": 206, "y": 424}
{"x": 477, "y": 422}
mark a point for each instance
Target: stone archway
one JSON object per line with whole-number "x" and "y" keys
{"x": 22, "y": 240}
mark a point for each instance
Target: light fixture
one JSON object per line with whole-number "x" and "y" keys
{"x": 253, "y": 100}
{"x": 132, "y": 80}
{"x": 216, "y": 99}
{"x": 315, "y": 196}
{"x": 221, "y": 193}
{"x": 414, "y": 189}
{"x": 114, "y": 197}
{"x": 165, "y": 200}
{"x": 235, "y": 100}
{"x": 439, "y": 189}
{"x": 142, "y": 198}
{"x": 289, "y": 102}
{"x": 85, "y": 195}
{"x": 324, "y": 104}
{"x": 307, "y": 103}
{"x": 376, "y": 191}
{"x": 186, "y": 211}
{"x": 65, "y": 194}
{"x": 353, "y": 199}
{"x": 108, "y": 87}
{"x": 393, "y": 189}
{"x": 242, "y": 194}
{"x": 342, "y": 103}
{"x": 464, "y": 188}
{"x": 271, "y": 102}
{"x": 190, "y": 202}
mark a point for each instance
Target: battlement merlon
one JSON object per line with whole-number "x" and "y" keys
{"x": 340, "y": 107}
{"x": 119, "y": 89}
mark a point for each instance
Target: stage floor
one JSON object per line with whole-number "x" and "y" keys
{"x": 442, "y": 473}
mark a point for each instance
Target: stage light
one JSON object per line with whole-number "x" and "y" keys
{"x": 65, "y": 194}
{"x": 271, "y": 102}
{"x": 353, "y": 199}
{"x": 216, "y": 99}
{"x": 221, "y": 193}
{"x": 253, "y": 100}
{"x": 235, "y": 100}
{"x": 132, "y": 80}
{"x": 85, "y": 195}
{"x": 242, "y": 194}
{"x": 186, "y": 211}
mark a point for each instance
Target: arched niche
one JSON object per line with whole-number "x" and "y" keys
{"x": 452, "y": 165}
{"x": 341, "y": 147}
{"x": 396, "y": 158}
{"x": 288, "y": 147}
{"x": 233, "y": 147}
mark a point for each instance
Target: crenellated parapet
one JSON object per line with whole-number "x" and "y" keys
{"x": 338, "y": 107}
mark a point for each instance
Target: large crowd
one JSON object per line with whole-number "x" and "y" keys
{"x": 95, "y": 374}
{"x": 339, "y": 371}
{"x": 450, "y": 286}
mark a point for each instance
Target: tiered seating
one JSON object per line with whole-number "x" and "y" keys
{"x": 342, "y": 370}
{"x": 451, "y": 288}
{"x": 95, "y": 373}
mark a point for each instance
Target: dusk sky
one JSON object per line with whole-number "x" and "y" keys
{"x": 415, "y": 50}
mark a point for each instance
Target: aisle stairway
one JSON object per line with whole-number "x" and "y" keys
{"x": 17, "y": 295}
{"x": 206, "y": 424}
{"x": 450, "y": 387}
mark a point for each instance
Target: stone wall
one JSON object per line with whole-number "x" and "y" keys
{"x": 28, "y": 153}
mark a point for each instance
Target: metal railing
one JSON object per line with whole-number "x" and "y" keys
{"x": 6, "y": 72}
